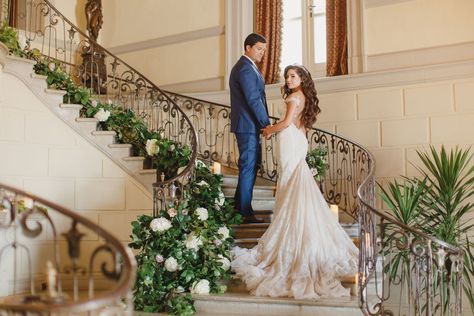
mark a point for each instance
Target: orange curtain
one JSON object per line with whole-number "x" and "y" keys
{"x": 336, "y": 28}
{"x": 268, "y": 22}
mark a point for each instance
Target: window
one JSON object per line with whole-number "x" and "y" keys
{"x": 304, "y": 35}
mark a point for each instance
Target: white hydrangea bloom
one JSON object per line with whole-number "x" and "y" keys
{"x": 102, "y": 115}
{"x": 225, "y": 262}
{"x": 193, "y": 242}
{"x": 152, "y": 147}
{"x": 202, "y": 287}
{"x": 160, "y": 224}
{"x": 202, "y": 213}
{"x": 224, "y": 231}
{"x": 171, "y": 264}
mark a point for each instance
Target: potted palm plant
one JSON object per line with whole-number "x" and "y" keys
{"x": 440, "y": 206}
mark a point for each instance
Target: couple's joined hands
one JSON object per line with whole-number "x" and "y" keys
{"x": 266, "y": 132}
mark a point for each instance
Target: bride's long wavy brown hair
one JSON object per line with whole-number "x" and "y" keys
{"x": 311, "y": 108}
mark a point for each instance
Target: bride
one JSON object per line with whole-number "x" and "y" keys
{"x": 305, "y": 251}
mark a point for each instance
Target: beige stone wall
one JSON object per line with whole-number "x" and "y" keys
{"x": 394, "y": 121}
{"x": 40, "y": 154}
{"x": 415, "y": 24}
{"x": 158, "y": 40}
{"x": 126, "y": 22}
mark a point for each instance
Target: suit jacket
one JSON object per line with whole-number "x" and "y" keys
{"x": 249, "y": 111}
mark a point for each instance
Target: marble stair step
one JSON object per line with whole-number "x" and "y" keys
{"x": 258, "y": 190}
{"x": 263, "y": 203}
{"x": 246, "y": 304}
{"x": 249, "y": 233}
{"x": 231, "y": 180}
{"x": 235, "y": 285}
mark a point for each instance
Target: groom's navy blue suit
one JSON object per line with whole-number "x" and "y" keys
{"x": 248, "y": 116}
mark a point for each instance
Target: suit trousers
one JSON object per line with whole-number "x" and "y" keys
{"x": 250, "y": 157}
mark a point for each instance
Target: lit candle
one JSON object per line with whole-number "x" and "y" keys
{"x": 335, "y": 210}
{"x": 368, "y": 244}
{"x": 216, "y": 168}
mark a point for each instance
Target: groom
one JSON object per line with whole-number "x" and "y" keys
{"x": 249, "y": 114}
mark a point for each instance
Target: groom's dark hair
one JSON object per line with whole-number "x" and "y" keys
{"x": 254, "y": 38}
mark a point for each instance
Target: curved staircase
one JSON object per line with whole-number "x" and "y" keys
{"x": 204, "y": 126}
{"x": 105, "y": 141}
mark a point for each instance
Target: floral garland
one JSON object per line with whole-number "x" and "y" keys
{"x": 317, "y": 162}
{"x": 186, "y": 248}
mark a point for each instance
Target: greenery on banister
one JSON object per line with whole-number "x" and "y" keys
{"x": 186, "y": 248}
{"x": 130, "y": 127}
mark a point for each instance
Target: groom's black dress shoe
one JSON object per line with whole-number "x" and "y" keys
{"x": 252, "y": 219}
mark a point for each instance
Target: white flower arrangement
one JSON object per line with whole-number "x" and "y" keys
{"x": 160, "y": 224}
{"x": 172, "y": 212}
{"x": 225, "y": 262}
{"x": 193, "y": 242}
{"x": 152, "y": 148}
{"x": 202, "y": 287}
{"x": 224, "y": 231}
{"x": 200, "y": 164}
{"x": 202, "y": 213}
{"x": 203, "y": 183}
{"x": 102, "y": 115}
{"x": 52, "y": 67}
{"x": 220, "y": 200}
{"x": 171, "y": 264}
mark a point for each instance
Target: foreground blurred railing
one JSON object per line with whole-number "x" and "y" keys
{"x": 54, "y": 261}
{"x": 403, "y": 271}
{"x": 40, "y": 25}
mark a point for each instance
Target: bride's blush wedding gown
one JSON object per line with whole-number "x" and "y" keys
{"x": 305, "y": 251}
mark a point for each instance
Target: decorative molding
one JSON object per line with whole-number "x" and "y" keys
{"x": 371, "y": 80}
{"x": 239, "y": 23}
{"x": 421, "y": 57}
{"x": 355, "y": 36}
{"x": 211, "y": 84}
{"x": 379, "y": 3}
{"x": 168, "y": 40}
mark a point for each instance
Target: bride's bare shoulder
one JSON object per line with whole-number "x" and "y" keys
{"x": 295, "y": 97}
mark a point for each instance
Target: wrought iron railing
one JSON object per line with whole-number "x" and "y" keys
{"x": 90, "y": 65}
{"x": 53, "y": 260}
{"x": 349, "y": 163}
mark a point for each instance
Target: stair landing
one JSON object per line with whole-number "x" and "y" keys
{"x": 249, "y": 305}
